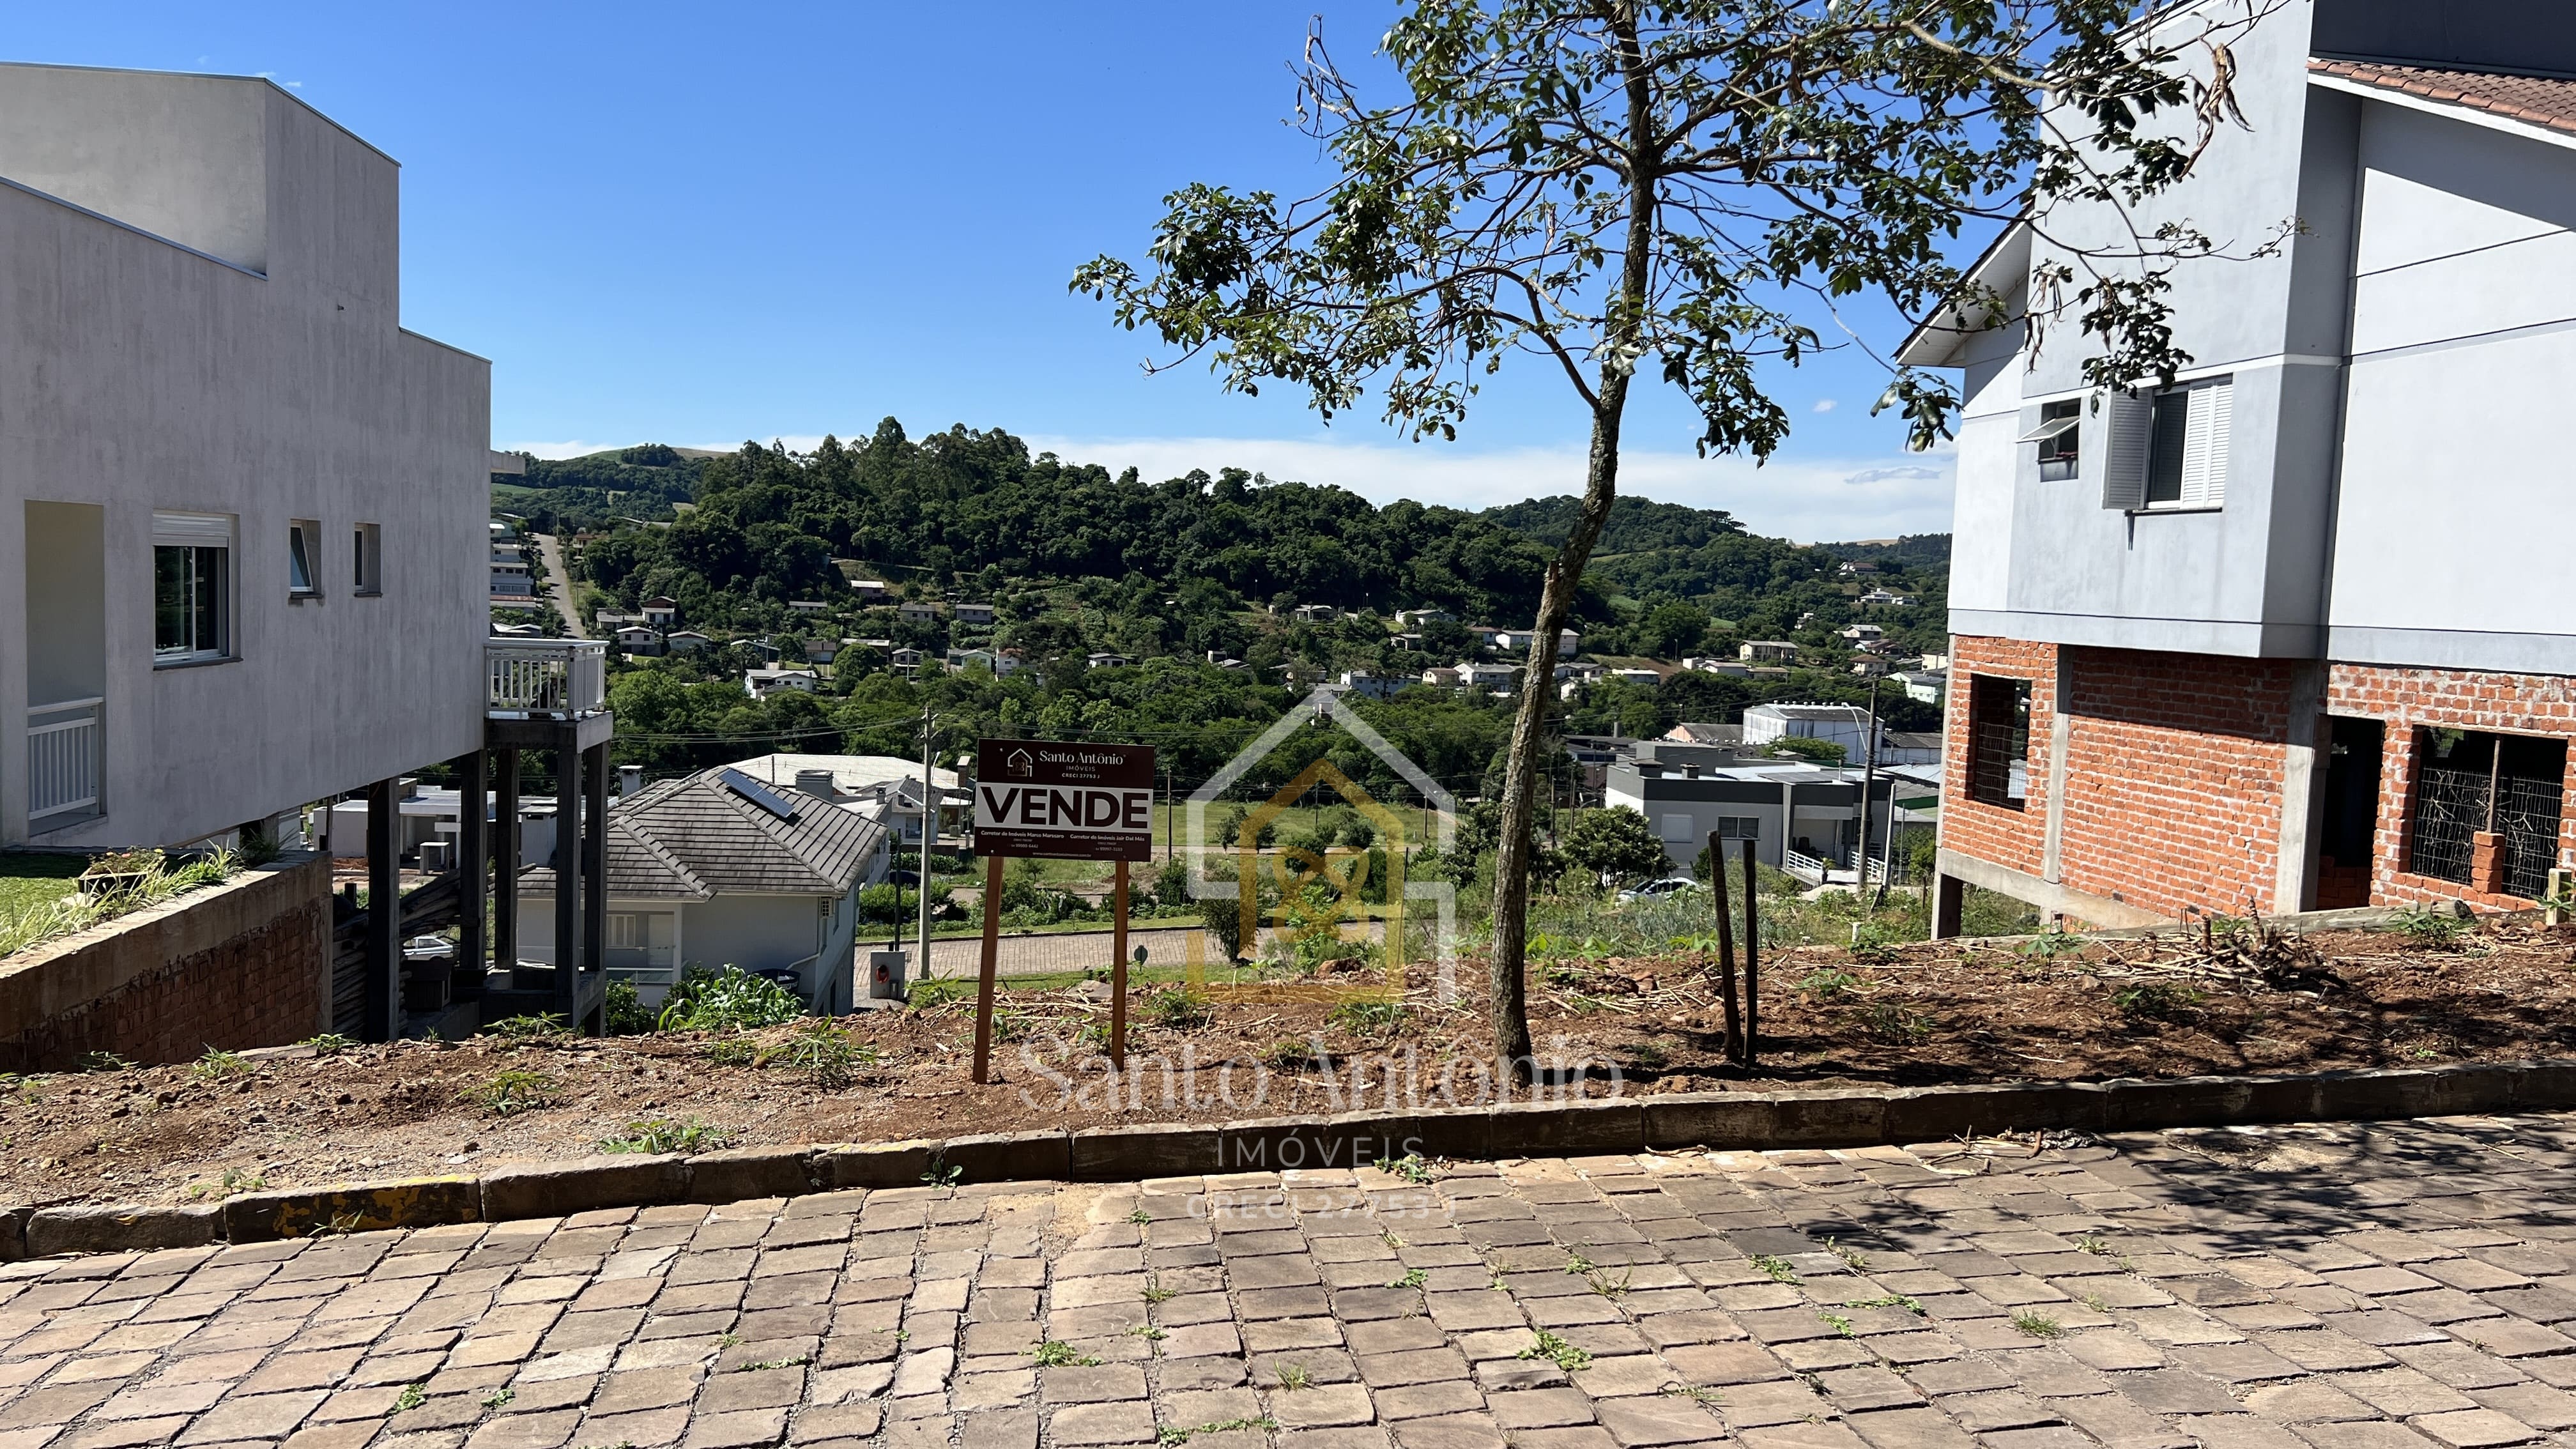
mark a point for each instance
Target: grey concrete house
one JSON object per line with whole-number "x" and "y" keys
{"x": 722, "y": 869}
{"x": 244, "y": 509}
{"x": 2289, "y": 630}
{"x": 1797, "y": 817}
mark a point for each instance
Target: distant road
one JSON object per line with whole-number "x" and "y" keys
{"x": 558, "y": 585}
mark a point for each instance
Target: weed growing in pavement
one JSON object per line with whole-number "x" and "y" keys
{"x": 942, "y": 1174}
{"x": 1056, "y": 1353}
{"x": 1393, "y": 1242}
{"x": 499, "y": 1397}
{"x": 2095, "y": 1301}
{"x": 339, "y": 1226}
{"x": 1777, "y": 1270}
{"x": 2037, "y": 1324}
{"x": 1149, "y": 1333}
{"x": 218, "y": 1064}
{"x": 1155, "y": 1292}
{"x": 1853, "y": 1258}
{"x": 1293, "y": 1376}
{"x": 1413, "y": 1278}
{"x": 1558, "y": 1352}
{"x": 667, "y": 1134}
{"x": 1695, "y": 1393}
{"x": 1141, "y": 1218}
{"x": 2093, "y": 1245}
{"x": 1171, "y": 1435}
{"x": 513, "y": 1091}
{"x": 233, "y": 1181}
{"x": 1410, "y": 1167}
{"x": 410, "y": 1398}
{"x": 728, "y": 1339}
{"x": 797, "y": 1361}
{"x": 1609, "y": 1287}
{"x": 1841, "y": 1326}
{"x": 1577, "y": 1263}
{"x": 1892, "y": 1300}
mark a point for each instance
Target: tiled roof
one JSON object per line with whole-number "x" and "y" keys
{"x": 695, "y": 838}
{"x": 2549, "y": 104}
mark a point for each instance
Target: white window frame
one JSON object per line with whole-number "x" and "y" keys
{"x": 304, "y": 548}
{"x": 195, "y": 535}
{"x": 368, "y": 559}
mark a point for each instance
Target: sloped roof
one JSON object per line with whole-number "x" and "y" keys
{"x": 2533, "y": 100}
{"x": 695, "y": 838}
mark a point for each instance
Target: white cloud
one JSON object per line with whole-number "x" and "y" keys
{"x": 1826, "y": 405}
{"x": 1801, "y": 498}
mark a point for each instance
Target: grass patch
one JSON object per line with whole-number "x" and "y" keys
{"x": 666, "y": 1134}
{"x": 1056, "y": 1353}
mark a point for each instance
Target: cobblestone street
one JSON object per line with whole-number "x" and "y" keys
{"x": 2352, "y": 1286}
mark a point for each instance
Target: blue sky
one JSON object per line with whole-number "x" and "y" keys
{"x": 700, "y": 224}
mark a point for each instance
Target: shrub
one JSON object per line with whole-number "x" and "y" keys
{"x": 542, "y": 1024}
{"x": 726, "y": 999}
{"x": 823, "y": 1052}
{"x": 2427, "y": 927}
{"x": 626, "y": 1013}
{"x": 1364, "y": 1016}
{"x": 217, "y": 1064}
{"x": 2156, "y": 1000}
{"x": 1829, "y": 983}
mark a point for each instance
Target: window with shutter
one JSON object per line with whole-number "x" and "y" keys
{"x": 2181, "y": 436}
{"x": 2128, "y": 418}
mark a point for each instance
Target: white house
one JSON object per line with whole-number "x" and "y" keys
{"x": 243, "y": 512}
{"x": 1777, "y": 807}
{"x": 637, "y": 639}
{"x": 870, "y": 591}
{"x": 1418, "y": 618}
{"x": 686, "y": 641}
{"x": 2330, "y": 553}
{"x": 974, "y": 613}
{"x": 1371, "y": 686}
{"x": 661, "y": 612}
{"x": 1640, "y": 678}
{"x": 1767, "y": 651}
{"x": 762, "y": 683}
{"x": 721, "y": 869}
{"x": 1703, "y": 664}
{"x": 920, "y": 612}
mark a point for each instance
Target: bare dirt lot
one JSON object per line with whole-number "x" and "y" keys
{"x": 1914, "y": 1015}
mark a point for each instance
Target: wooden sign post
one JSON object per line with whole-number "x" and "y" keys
{"x": 1059, "y": 800}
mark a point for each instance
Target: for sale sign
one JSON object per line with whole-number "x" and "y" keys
{"x": 1059, "y": 800}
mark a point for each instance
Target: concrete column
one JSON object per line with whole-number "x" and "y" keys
{"x": 505, "y": 877}
{"x": 473, "y": 867}
{"x": 1949, "y": 895}
{"x": 2303, "y": 796}
{"x": 568, "y": 955}
{"x": 2061, "y": 730}
{"x": 594, "y": 870}
{"x": 384, "y": 917}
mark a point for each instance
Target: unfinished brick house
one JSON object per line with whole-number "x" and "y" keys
{"x": 2295, "y": 632}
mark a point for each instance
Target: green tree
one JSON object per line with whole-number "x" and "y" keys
{"x": 1656, "y": 187}
{"x": 1617, "y": 842}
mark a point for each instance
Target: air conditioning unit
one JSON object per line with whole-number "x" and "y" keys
{"x": 437, "y": 855}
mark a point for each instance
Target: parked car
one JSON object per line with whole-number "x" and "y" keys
{"x": 1656, "y": 889}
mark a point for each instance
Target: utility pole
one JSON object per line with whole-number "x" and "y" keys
{"x": 929, "y": 836}
{"x": 1868, "y": 783}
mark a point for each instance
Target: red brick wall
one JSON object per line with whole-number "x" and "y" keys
{"x": 2174, "y": 779}
{"x": 263, "y": 981}
{"x": 2015, "y": 838}
{"x": 2408, "y": 699}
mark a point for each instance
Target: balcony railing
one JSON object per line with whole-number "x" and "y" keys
{"x": 544, "y": 678}
{"x": 63, "y": 754}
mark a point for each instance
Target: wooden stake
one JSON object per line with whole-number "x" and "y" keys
{"x": 992, "y": 958}
{"x": 1752, "y": 963}
{"x": 1725, "y": 945}
{"x": 1118, "y": 978}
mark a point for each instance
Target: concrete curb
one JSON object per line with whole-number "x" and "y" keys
{"x": 1750, "y": 1121}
